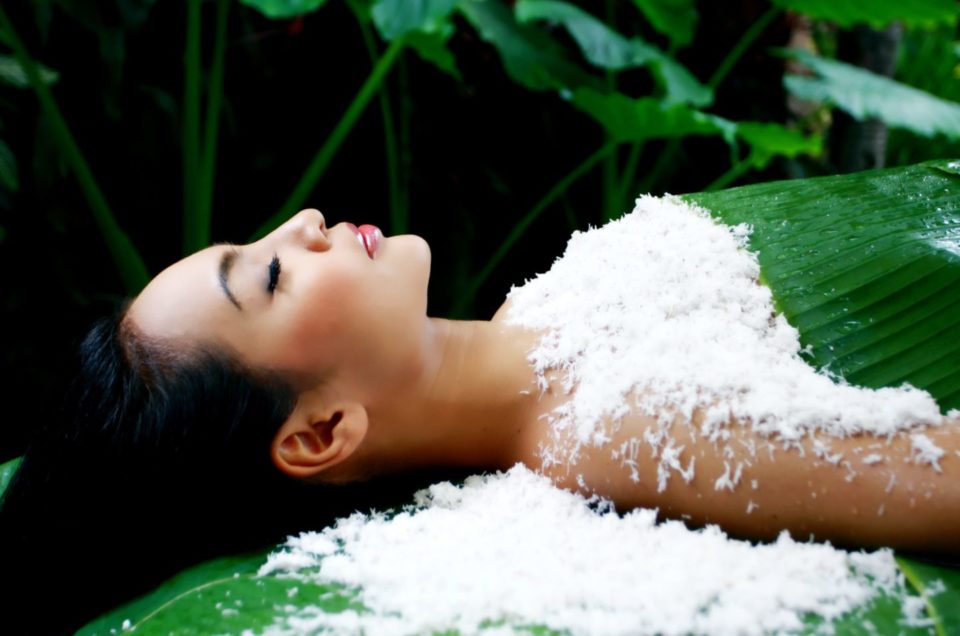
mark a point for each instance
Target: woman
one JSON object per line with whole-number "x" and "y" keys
{"x": 309, "y": 354}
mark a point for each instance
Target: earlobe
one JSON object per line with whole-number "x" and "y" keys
{"x": 312, "y": 440}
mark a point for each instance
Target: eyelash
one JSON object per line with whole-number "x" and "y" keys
{"x": 274, "y": 270}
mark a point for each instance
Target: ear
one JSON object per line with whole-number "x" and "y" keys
{"x": 317, "y": 437}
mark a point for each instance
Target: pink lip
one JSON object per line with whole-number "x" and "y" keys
{"x": 368, "y": 235}
{"x": 371, "y": 238}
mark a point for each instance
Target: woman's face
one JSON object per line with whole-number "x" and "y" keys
{"x": 304, "y": 299}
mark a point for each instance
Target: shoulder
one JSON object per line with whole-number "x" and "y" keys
{"x": 501, "y": 313}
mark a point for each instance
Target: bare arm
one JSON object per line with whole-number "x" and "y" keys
{"x": 858, "y": 491}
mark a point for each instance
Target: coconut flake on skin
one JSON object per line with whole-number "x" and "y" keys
{"x": 511, "y": 549}
{"x": 661, "y": 312}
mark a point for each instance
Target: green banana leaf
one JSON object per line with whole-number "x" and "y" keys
{"x": 222, "y": 596}
{"x": 225, "y": 596}
{"x": 866, "y": 266}
{"x": 942, "y": 592}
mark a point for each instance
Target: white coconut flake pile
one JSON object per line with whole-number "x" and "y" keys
{"x": 513, "y": 550}
{"x": 661, "y": 311}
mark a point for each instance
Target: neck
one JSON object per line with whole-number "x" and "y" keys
{"x": 474, "y": 403}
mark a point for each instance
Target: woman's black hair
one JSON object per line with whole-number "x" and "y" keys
{"x": 161, "y": 458}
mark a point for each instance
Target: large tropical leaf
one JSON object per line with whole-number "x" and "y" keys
{"x": 7, "y": 471}
{"x": 530, "y": 57}
{"x": 284, "y": 9}
{"x": 226, "y": 596}
{"x": 866, "y": 267}
{"x": 676, "y": 19}
{"x": 12, "y": 73}
{"x": 604, "y": 47}
{"x": 223, "y": 596}
{"x": 395, "y": 18}
{"x": 877, "y": 13}
{"x": 627, "y": 119}
{"x": 941, "y": 589}
{"x": 863, "y": 94}
{"x": 637, "y": 120}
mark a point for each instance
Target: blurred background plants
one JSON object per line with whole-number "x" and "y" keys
{"x": 135, "y": 131}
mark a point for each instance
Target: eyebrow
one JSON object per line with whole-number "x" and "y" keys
{"x": 227, "y": 259}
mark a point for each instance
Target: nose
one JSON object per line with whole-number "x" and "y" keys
{"x": 309, "y": 229}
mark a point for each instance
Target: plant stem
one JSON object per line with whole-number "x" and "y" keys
{"x": 748, "y": 37}
{"x": 629, "y": 172}
{"x": 665, "y": 160}
{"x": 129, "y": 264}
{"x": 398, "y": 222}
{"x": 191, "y": 128}
{"x": 737, "y": 170}
{"x": 610, "y": 204}
{"x": 525, "y": 222}
{"x": 211, "y": 129}
{"x": 322, "y": 159}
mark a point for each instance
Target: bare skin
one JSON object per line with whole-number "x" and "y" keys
{"x": 894, "y": 501}
{"x": 393, "y": 390}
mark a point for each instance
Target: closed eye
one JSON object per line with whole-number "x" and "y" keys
{"x": 273, "y": 274}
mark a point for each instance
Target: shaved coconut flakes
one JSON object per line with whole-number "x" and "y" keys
{"x": 511, "y": 549}
{"x": 925, "y": 451}
{"x": 677, "y": 321}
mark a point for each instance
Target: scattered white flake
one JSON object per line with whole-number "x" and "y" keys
{"x": 670, "y": 460}
{"x": 822, "y": 450}
{"x": 880, "y": 509}
{"x": 851, "y": 472}
{"x": 914, "y": 612}
{"x": 751, "y": 506}
{"x": 678, "y": 322}
{"x": 486, "y": 554}
{"x": 126, "y": 625}
{"x": 891, "y": 483}
{"x": 230, "y": 612}
{"x": 925, "y": 451}
{"x": 872, "y": 458}
{"x": 754, "y": 484}
{"x": 726, "y": 481}
{"x": 937, "y": 586}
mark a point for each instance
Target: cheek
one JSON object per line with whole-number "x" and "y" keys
{"x": 311, "y": 330}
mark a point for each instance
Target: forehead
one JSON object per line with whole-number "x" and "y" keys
{"x": 185, "y": 300}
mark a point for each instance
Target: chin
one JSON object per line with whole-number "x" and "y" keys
{"x": 411, "y": 251}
